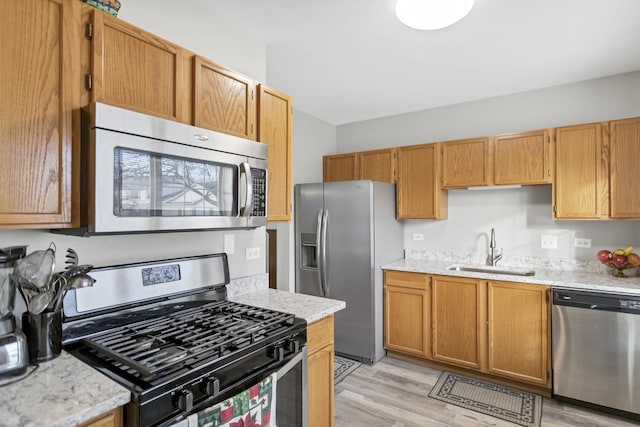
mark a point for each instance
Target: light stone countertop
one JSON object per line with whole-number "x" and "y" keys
{"x": 62, "y": 392}
{"x": 307, "y": 307}
{"x": 587, "y": 280}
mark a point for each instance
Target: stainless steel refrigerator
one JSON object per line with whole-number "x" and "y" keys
{"x": 344, "y": 232}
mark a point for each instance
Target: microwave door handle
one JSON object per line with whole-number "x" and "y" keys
{"x": 247, "y": 208}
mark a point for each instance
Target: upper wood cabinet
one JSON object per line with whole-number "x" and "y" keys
{"x": 459, "y": 321}
{"x": 522, "y": 158}
{"x": 224, "y": 100}
{"x": 466, "y": 163}
{"x": 274, "y": 129}
{"x": 519, "y": 333}
{"x": 419, "y": 193}
{"x": 378, "y": 165}
{"x": 40, "y": 49}
{"x": 340, "y": 167}
{"x": 580, "y": 183}
{"x": 375, "y": 165}
{"x": 625, "y": 168}
{"x": 407, "y": 313}
{"x": 134, "y": 69}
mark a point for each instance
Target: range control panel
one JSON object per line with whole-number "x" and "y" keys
{"x": 259, "y": 179}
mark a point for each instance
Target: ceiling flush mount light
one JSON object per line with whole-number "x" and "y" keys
{"x": 432, "y": 14}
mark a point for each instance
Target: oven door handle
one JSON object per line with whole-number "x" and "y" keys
{"x": 284, "y": 370}
{"x": 247, "y": 208}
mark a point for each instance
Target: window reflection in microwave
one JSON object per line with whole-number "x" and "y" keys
{"x": 153, "y": 184}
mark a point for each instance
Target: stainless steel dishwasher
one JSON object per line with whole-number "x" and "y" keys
{"x": 596, "y": 349}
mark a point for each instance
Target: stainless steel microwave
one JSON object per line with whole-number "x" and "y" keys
{"x": 146, "y": 174}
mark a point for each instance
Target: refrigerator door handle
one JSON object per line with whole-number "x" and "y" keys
{"x": 319, "y": 244}
{"x": 325, "y": 261}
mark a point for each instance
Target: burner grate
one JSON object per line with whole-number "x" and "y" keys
{"x": 171, "y": 341}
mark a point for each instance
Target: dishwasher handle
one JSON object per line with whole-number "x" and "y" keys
{"x": 597, "y": 301}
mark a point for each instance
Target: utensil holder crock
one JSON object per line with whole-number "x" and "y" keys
{"x": 44, "y": 335}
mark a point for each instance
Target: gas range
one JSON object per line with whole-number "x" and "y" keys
{"x": 178, "y": 353}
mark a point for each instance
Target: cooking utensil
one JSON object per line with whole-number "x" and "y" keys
{"x": 41, "y": 301}
{"x": 80, "y": 281}
{"x": 71, "y": 259}
{"x": 38, "y": 266}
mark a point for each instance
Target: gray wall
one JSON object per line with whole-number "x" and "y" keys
{"x": 186, "y": 25}
{"x": 520, "y": 216}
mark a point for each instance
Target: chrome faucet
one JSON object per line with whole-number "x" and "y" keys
{"x": 493, "y": 259}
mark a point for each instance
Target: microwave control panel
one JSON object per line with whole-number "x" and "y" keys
{"x": 259, "y": 179}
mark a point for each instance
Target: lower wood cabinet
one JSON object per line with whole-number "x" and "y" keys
{"x": 406, "y": 313}
{"x": 320, "y": 348}
{"x": 495, "y": 328}
{"x": 110, "y": 419}
{"x": 458, "y": 313}
{"x": 519, "y": 332}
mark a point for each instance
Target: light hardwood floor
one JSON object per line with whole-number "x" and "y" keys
{"x": 393, "y": 393}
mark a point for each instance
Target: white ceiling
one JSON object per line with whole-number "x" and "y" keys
{"x": 351, "y": 60}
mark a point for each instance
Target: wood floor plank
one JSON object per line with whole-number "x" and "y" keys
{"x": 394, "y": 393}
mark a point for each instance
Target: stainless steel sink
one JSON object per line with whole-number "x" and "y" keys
{"x": 492, "y": 270}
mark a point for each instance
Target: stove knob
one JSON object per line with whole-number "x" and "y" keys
{"x": 294, "y": 346}
{"x": 277, "y": 353}
{"x": 185, "y": 400}
{"x": 211, "y": 386}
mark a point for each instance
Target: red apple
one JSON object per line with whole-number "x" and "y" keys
{"x": 604, "y": 255}
{"x": 619, "y": 260}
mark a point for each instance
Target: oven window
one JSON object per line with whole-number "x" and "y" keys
{"x": 154, "y": 184}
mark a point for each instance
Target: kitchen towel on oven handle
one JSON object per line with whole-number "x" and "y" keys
{"x": 255, "y": 407}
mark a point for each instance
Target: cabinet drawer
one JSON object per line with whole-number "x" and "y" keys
{"x": 319, "y": 334}
{"x": 406, "y": 279}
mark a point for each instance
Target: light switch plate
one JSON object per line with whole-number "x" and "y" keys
{"x": 581, "y": 243}
{"x": 418, "y": 236}
{"x": 229, "y": 244}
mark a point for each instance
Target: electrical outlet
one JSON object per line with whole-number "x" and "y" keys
{"x": 418, "y": 236}
{"x": 581, "y": 243}
{"x": 548, "y": 242}
{"x": 252, "y": 253}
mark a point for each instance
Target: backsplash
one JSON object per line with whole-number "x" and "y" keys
{"x": 245, "y": 285}
{"x": 475, "y": 258}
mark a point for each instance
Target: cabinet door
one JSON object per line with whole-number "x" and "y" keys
{"x": 40, "y": 58}
{"x": 458, "y": 310}
{"x": 407, "y": 313}
{"x": 320, "y": 394}
{"x": 406, "y": 326}
{"x": 134, "y": 69}
{"x": 274, "y": 129}
{"x": 580, "y": 182}
{"x": 320, "y": 349}
{"x": 522, "y": 158}
{"x": 224, "y": 100}
{"x": 378, "y": 165}
{"x": 465, "y": 163}
{"x": 340, "y": 167}
{"x": 519, "y": 333}
{"x": 110, "y": 419}
{"x": 419, "y": 194}
{"x": 625, "y": 168}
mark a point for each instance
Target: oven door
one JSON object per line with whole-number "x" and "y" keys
{"x": 140, "y": 184}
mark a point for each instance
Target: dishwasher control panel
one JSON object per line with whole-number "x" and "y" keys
{"x": 597, "y": 301}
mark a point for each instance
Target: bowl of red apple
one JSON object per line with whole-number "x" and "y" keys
{"x": 619, "y": 260}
